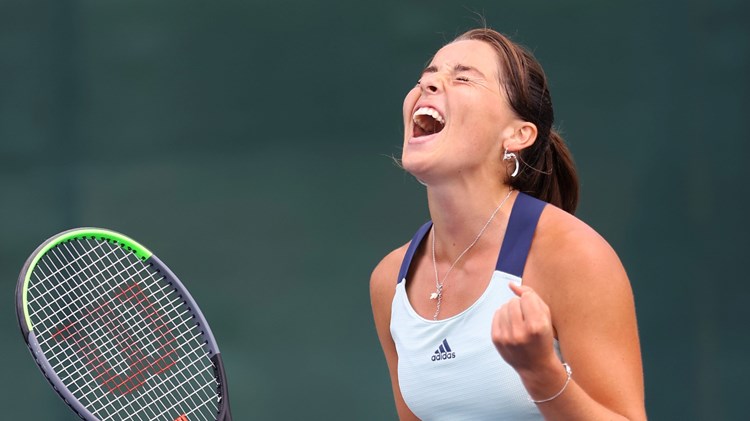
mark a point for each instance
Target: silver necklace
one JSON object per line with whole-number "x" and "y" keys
{"x": 438, "y": 294}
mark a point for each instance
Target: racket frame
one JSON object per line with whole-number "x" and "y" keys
{"x": 100, "y": 234}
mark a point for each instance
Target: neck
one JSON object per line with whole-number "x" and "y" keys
{"x": 459, "y": 214}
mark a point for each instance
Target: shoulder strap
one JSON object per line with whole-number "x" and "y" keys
{"x": 521, "y": 226}
{"x": 415, "y": 241}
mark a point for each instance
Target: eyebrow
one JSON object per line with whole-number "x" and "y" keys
{"x": 458, "y": 68}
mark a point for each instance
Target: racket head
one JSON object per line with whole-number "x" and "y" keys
{"x": 116, "y": 333}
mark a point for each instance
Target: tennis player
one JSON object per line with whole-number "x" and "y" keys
{"x": 504, "y": 306}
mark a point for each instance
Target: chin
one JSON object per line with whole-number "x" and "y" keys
{"x": 410, "y": 164}
{"x": 420, "y": 167}
{"x": 414, "y": 166}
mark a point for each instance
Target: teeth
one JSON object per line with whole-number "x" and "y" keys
{"x": 430, "y": 112}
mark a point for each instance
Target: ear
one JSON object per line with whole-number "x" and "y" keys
{"x": 524, "y": 135}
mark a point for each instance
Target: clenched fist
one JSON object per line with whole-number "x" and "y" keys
{"x": 522, "y": 330}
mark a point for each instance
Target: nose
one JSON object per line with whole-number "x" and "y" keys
{"x": 431, "y": 83}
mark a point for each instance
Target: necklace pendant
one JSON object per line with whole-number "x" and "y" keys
{"x": 434, "y": 296}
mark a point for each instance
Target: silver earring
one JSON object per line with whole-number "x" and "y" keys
{"x": 508, "y": 156}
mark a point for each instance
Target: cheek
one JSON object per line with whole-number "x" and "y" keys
{"x": 409, "y": 101}
{"x": 482, "y": 121}
{"x": 481, "y": 129}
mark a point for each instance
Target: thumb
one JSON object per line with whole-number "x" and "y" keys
{"x": 518, "y": 289}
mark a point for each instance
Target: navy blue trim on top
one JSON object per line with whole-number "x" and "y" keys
{"x": 516, "y": 244}
{"x": 521, "y": 226}
{"x": 415, "y": 242}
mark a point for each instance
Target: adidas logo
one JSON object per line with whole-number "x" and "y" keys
{"x": 443, "y": 352}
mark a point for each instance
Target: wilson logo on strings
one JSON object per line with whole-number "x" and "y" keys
{"x": 105, "y": 338}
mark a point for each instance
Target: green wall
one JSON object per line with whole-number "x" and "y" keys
{"x": 249, "y": 145}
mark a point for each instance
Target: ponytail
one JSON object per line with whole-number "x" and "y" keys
{"x": 548, "y": 173}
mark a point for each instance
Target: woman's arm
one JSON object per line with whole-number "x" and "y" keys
{"x": 574, "y": 287}
{"x": 382, "y": 290}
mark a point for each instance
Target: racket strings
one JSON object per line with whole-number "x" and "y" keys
{"x": 71, "y": 307}
{"x": 190, "y": 351}
{"x": 62, "y": 267}
{"x": 157, "y": 388}
{"x": 89, "y": 294}
{"x": 158, "y": 391}
{"x": 189, "y": 394}
{"x": 67, "y": 283}
{"x": 74, "y": 316}
{"x": 142, "y": 327}
{"x": 109, "y": 344}
{"x": 51, "y": 278}
{"x": 199, "y": 350}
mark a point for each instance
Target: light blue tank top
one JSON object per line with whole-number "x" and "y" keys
{"x": 449, "y": 369}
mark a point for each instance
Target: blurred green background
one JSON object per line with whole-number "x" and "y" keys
{"x": 249, "y": 143}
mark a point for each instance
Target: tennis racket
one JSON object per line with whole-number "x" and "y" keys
{"x": 116, "y": 334}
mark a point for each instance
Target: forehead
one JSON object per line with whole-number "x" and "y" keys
{"x": 473, "y": 53}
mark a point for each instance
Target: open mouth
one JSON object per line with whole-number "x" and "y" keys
{"x": 427, "y": 121}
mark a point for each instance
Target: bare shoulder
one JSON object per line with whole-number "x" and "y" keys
{"x": 382, "y": 290}
{"x": 383, "y": 279}
{"x": 577, "y": 272}
{"x": 567, "y": 250}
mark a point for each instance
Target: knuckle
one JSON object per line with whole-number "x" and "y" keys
{"x": 497, "y": 336}
{"x": 536, "y": 327}
{"x": 521, "y": 338}
{"x": 514, "y": 340}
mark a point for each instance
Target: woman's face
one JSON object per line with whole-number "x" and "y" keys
{"x": 457, "y": 116}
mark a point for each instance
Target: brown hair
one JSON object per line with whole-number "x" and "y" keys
{"x": 547, "y": 170}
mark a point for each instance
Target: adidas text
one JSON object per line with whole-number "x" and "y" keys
{"x": 443, "y": 356}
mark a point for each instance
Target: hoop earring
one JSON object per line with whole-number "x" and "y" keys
{"x": 507, "y": 156}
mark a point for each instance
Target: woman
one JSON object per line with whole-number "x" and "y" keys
{"x": 504, "y": 306}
